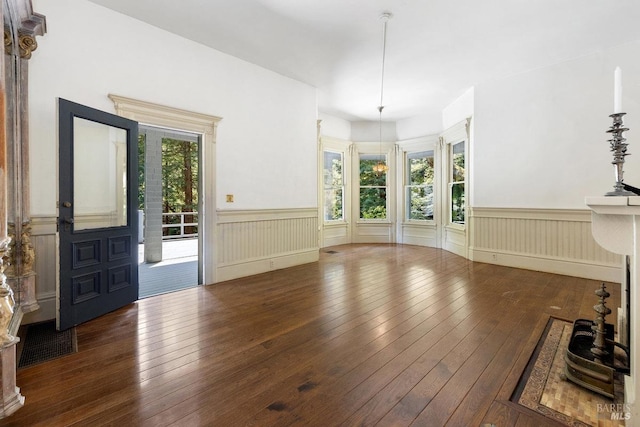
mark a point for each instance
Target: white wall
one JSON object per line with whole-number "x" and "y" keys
{"x": 539, "y": 137}
{"x": 458, "y": 110}
{"x": 334, "y": 127}
{"x": 268, "y": 120}
{"x": 419, "y": 126}
{"x": 370, "y": 131}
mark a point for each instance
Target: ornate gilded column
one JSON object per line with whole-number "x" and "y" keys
{"x": 17, "y": 282}
{"x": 22, "y": 26}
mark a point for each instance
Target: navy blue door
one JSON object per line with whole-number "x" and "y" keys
{"x": 97, "y": 223}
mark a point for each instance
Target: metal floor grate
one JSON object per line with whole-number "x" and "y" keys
{"x": 43, "y": 343}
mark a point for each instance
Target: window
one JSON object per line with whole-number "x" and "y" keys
{"x": 333, "y": 186}
{"x": 419, "y": 185}
{"x": 373, "y": 188}
{"x": 456, "y": 183}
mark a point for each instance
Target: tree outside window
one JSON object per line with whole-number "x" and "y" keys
{"x": 373, "y": 188}
{"x": 457, "y": 195}
{"x": 419, "y": 185}
{"x": 333, "y": 186}
{"x": 179, "y": 185}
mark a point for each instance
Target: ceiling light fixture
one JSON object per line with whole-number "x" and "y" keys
{"x": 381, "y": 167}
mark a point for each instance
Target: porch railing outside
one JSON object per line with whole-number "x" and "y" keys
{"x": 178, "y": 225}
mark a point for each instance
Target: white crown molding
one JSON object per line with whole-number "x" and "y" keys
{"x": 162, "y": 115}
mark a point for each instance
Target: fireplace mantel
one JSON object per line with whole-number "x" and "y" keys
{"x": 615, "y": 224}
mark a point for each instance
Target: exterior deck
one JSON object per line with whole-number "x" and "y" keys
{"x": 177, "y": 270}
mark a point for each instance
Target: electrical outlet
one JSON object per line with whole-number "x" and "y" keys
{"x": 494, "y": 257}
{"x": 229, "y": 198}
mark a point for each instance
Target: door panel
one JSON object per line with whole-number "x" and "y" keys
{"x": 97, "y": 213}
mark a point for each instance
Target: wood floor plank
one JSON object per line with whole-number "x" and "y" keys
{"x": 386, "y": 334}
{"x": 501, "y": 415}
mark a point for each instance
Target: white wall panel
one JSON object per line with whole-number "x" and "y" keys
{"x": 540, "y": 137}
{"x": 45, "y": 245}
{"x": 553, "y": 240}
{"x": 256, "y": 241}
{"x": 268, "y": 120}
{"x": 421, "y": 235}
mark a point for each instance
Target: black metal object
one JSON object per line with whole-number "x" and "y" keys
{"x": 42, "y": 343}
{"x": 581, "y": 365}
{"x": 634, "y": 190}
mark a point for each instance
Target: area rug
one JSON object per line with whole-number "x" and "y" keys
{"x": 41, "y": 342}
{"x": 542, "y": 388}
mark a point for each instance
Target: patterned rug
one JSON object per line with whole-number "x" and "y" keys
{"x": 543, "y": 389}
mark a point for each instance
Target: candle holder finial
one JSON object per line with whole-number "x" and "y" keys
{"x": 619, "y": 150}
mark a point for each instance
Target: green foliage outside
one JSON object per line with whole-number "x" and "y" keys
{"x": 420, "y": 187}
{"x": 457, "y": 188}
{"x": 457, "y": 203}
{"x": 333, "y": 197}
{"x": 179, "y": 181}
{"x": 373, "y": 191}
{"x": 141, "y": 184}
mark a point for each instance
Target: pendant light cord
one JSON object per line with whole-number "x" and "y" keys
{"x": 381, "y": 167}
{"x": 385, "y": 17}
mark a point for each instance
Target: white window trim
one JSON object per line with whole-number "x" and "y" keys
{"x": 387, "y": 149}
{"x": 323, "y": 188}
{"x": 336, "y": 146}
{"x": 456, "y": 134}
{"x": 405, "y": 148}
{"x": 173, "y": 118}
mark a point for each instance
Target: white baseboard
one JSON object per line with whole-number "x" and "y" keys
{"x": 257, "y": 266}
{"x": 548, "y": 265}
{"x": 47, "y": 310}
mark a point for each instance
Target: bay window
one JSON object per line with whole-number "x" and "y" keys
{"x": 373, "y": 188}
{"x": 419, "y": 181}
{"x": 333, "y": 186}
{"x": 456, "y": 183}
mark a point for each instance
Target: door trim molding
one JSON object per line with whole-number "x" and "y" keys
{"x": 148, "y": 113}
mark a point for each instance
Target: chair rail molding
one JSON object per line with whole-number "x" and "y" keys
{"x": 256, "y": 241}
{"x": 552, "y": 240}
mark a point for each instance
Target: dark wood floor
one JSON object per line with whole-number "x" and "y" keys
{"x": 373, "y": 334}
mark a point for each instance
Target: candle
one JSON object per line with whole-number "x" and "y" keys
{"x": 617, "y": 91}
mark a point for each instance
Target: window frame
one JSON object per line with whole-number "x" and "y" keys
{"x": 377, "y": 157}
{"x": 408, "y": 155}
{"x": 341, "y": 153}
{"x": 451, "y": 183}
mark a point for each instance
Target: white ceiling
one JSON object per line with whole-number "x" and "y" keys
{"x": 436, "y": 49}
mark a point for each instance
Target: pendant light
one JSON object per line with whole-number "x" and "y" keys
{"x": 381, "y": 167}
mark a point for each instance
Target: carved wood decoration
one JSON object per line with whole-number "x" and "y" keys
{"x": 22, "y": 26}
{"x": 17, "y": 277}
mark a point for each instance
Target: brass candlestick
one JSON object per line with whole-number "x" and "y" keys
{"x": 619, "y": 149}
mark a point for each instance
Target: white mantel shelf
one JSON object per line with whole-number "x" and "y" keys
{"x": 627, "y": 205}
{"x": 615, "y": 224}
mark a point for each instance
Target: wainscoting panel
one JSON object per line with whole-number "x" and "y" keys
{"x": 252, "y": 242}
{"x": 552, "y": 240}
{"x": 335, "y": 234}
{"x": 45, "y": 243}
{"x": 419, "y": 234}
{"x": 455, "y": 240}
{"x": 373, "y": 233}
